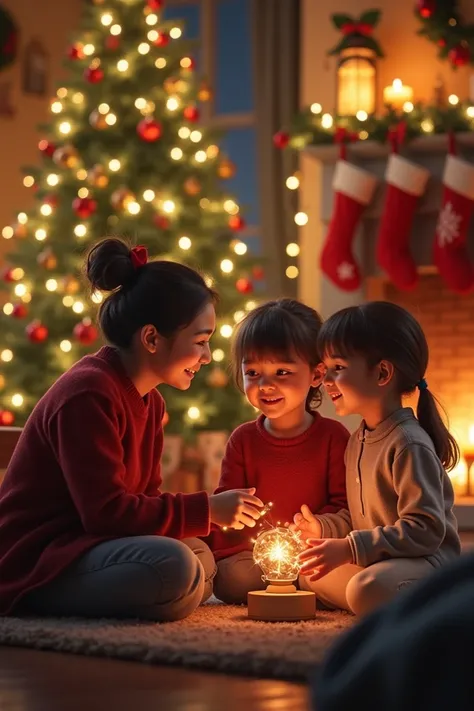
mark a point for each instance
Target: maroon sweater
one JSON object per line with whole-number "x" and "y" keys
{"x": 87, "y": 469}
{"x": 307, "y": 469}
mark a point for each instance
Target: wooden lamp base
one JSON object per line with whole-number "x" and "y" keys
{"x": 281, "y": 603}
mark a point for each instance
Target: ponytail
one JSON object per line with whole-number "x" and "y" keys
{"x": 429, "y": 417}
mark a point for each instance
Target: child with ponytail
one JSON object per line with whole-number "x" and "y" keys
{"x": 399, "y": 495}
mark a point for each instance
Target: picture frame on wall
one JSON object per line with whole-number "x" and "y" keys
{"x": 35, "y": 68}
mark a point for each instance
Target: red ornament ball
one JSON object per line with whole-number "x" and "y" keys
{"x": 191, "y": 113}
{"x": 46, "y": 147}
{"x": 85, "y": 332}
{"x": 20, "y": 311}
{"x": 112, "y": 42}
{"x": 161, "y": 222}
{"x": 8, "y": 275}
{"x": 281, "y": 139}
{"x": 84, "y": 207}
{"x": 155, "y": 4}
{"x": 93, "y": 75}
{"x": 36, "y": 332}
{"x": 75, "y": 52}
{"x": 7, "y": 418}
{"x": 426, "y": 8}
{"x": 459, "y": 55}
{"x": 51, "y": 199}
{"x": 244, "y": 286}
{"x": 236, "y": 223}
{"x": 149, "y": 129}
{"x": 162, "y": 40}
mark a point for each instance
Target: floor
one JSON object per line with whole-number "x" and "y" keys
{"x": 46, "y": 681}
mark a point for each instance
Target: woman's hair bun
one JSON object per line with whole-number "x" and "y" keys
{"x": 109, "y": 265}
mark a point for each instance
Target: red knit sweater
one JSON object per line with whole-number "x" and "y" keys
{"x": 87, "y": 469}
{"x": 308, "y": 469}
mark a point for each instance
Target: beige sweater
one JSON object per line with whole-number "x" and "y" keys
{"x": 399, "y": 495}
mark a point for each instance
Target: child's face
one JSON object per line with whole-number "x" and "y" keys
{"x": 279, "y": 389}
{"x": 351, "y": 384}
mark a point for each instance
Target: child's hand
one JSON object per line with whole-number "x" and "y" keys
{"x": 306, "y": 524}
{"x": 235, "y": 508}
{"x": 324, "y": 556}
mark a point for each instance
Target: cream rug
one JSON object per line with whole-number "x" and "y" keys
{"x": 215, "y": 637}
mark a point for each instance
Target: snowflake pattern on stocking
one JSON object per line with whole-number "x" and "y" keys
{"x": 448, "y": 225}
{"x": 345, "y": 271}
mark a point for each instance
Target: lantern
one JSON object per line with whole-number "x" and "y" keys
{"x": 356, "y": 81}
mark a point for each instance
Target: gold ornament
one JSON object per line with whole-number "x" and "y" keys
{"x": 226, "y": 169}
{"x": 97, "y": 176}
{"x": 97, "y": 120}
{"x": 19, "y": 230}
{"x": 66, "y": 156}
{"x": 217, "y": 378}
{"x": 47, "y": 259}
{"x": 70, "y": 285}
{"x": 121, "y": 197}
{"x": 192, "y": 186}
{"x": 205, "y": 92}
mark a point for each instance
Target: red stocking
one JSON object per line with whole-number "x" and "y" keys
{"x": 405, "y": 183}
{"x": 450, "y": 253}
{"x": 354, "y": 189}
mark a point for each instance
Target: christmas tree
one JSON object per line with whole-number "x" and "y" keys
{"x": 124, "y": 154}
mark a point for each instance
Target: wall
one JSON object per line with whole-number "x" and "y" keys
{"x": 408, "y": 56}
{"x": 50, "y": 21}
{"x": 447, "y": 320}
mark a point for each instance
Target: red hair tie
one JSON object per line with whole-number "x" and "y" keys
{"x": 139, "y": 256}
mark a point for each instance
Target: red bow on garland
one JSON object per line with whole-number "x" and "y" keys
{"x": 396, "y": 135}
{"x": 359, "y": 28}
{"x": 139, "y": 256}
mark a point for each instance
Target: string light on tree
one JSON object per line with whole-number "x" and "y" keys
{"x": 124, "y": 153}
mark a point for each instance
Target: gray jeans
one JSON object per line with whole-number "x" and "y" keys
{"x": 147, "y": 577}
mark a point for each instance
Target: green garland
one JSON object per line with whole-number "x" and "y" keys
{"x": 312, "y": 129}
{"x": 442, "y": 24}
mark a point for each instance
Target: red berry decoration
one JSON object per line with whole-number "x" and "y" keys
{"x": 236, "y": 223}
{"x": 244, "y": 286}
{"x": 36, "y": 332}
{"x": 85, "y": 332}
{"x": 93, "y": 75}
{"x": 46, "y": 147}
{"x": 162, "y": 40}
{"x": 426, "y": 8}
{"x": 112, "y": 42}
{"x": 281, "y": 139}
{"x": 8, "y": 275}
{"x": 19, "y": 311}
{"x": 149, "y": 129}
{"x": 191, "y": 113}
{"x": 459, "y": 55}
{"x": 161, "y": 222}
{"x": 155, "y": 4}
{"x": 75, "y": 52}
{"x": 7, "y": 418}
{"x": 84, "y": 207}
{"x": 51, "y": 200}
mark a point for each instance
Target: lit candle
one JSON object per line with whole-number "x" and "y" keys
{"x": 397, "y": 94}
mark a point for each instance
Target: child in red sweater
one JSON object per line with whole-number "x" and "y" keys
{"x": 84, "y": 528}
{"x": 291, "y": 455}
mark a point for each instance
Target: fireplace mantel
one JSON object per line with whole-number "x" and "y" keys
{"x": 370, "y": 150}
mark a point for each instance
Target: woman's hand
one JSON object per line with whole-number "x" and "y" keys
{"x": 235, "y": 508}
